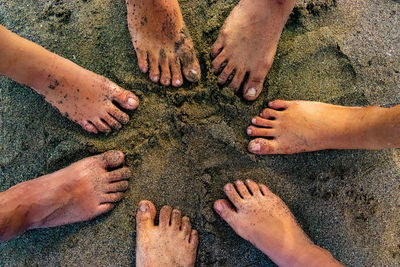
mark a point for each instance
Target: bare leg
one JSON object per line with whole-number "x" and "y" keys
{"x": 263, "y": 219}
{"x": 77, "y": 193}
{"x": 300, "y": 126}
{"x": 81, "y": 95}
{"x": 160, "y": 38}
{"x": 248, "y": 41}
{"x": 172, "y": 243}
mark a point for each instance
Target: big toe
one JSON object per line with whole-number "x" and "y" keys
{"x": 145, "y": 215}
{"x": 112, "y": 159}
{"x": 192, "y": 71}
{"x": 262, "y": 146}
{"x": 126, "y": 99}
{"x": 225, "y": 210}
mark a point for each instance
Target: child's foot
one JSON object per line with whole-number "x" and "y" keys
{"x": 301, "y": 126}
{"x": 248, "y": 41}
{"x": 172, "y": 243}
{"x": 263, "y": 219}
{"x": 160, "y": 38}
{"x": 77, "y": 193}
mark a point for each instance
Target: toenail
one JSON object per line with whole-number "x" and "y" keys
{"x": 251, "y": 92}
{"x": 144, "y": 207}
{"x": 255, "y": 147}
{"x": 178, "y": 82}
{"x": 132, "y": 102}
{"x": 219, "y": 207}
{"x": 194, "y": 72}
{"x": 249, "y": 131}
{"x": 254, "y": 121}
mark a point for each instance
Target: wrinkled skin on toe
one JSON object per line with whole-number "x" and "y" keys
{"x": 171, "y": 243}
{"x": 162, "y": 42}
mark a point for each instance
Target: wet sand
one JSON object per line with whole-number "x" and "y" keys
{"x": 184, "y": 144}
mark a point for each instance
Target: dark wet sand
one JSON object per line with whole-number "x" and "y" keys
{"x": 184, "y": 144}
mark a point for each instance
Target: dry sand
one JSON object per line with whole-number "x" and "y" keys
{"x": 184, "y": 144}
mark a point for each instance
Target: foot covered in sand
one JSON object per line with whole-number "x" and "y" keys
{"x": 299, "y": 126}
{"x": 171, "y": 243}
{"x": 247, "y": 43}
{"x": 161, "y": 40}
{"x": 262, "y": 218}
{"x": 76, "y": 193}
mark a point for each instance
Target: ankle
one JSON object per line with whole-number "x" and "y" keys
{"x": 312, "y": 255}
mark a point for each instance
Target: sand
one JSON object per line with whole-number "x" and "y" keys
{"x": 183, "y": 145}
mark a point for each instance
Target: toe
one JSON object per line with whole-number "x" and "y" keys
{"x": 265, "y": 132}
{"x": 253, "y": 187}
{"x": 112, "y": 159}
{"x": 101, "y": 125}
{"x": 103, "y": 208}
{"x": 237, "y": 80}
{"x": 118, "y": 114}
{"x": 233, "y": 195}
{"x": 186, "y": 227}
{"x": 119, "y": 175}
{"x": 154, "y": 68}
{"x": 111, "y": 197}
{"x": 189, "y": 61}
{"x": 217, "y": 46}
{"x": 225, "y": 210}
{"x": 176, "y": 219}
{"x": 253, "y": 87}
{"x": 117, "y": 187}
{"x": 165, "y": 216}
{"x": 223, "y": 77}
{"x": 279, "y": 104}
{"x": 125, "y": 98}
{"x": 259, "y": 121}
{"x": 145, "y": 215}
{"x": 176, "y": 72}
{"x": 262, "y": 146}
{"x": 217, "y": 62}
{"x": 269, "y": 114}
{"x": 242, "y": 189}
{"x": 165, "y": 71}
{"x": 88, "y": 126}
{"x": 265, "y": 190}
{"x": 113, "y": 123}
{"x": 194, "y": 239}
{"x": 142, "y": 60}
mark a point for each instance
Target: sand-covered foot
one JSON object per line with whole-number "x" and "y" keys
{"x": 76, "y": 193}
{"x": 171, "y": 243}
{"x": 162, "y": 42}
{"x": 263, "y": 219}
{"x": 289, "y": 127}
{"x": 247, "y": 43}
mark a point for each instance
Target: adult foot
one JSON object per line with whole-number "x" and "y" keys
{"x": 172, "y": 243}
{"x": 77, "y": 193}
{"x": 160, "y": 38}
{"x": 79, "y": 94}
{"x": 301, "y": 126}
{"x": 248, "y": 41}
{"x": 263, "y": 219}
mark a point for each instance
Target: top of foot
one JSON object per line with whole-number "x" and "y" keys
{"x": 171, "y": 243}
{"x": 162, "y": 42}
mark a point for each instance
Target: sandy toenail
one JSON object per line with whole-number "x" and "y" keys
{"x": 144, "y": 207}
{"x": 254, "y": 121}
{"x": 251, "y": 92}
{"x": 249, "y": 131}
{"x": 255, "y": 147}
{"x": 219, "y": 207}
{"x": 132, "y": 101}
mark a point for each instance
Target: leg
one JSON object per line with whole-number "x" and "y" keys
{"x": 77, "y": 193}
{"x": 81, "y": 95}
{"x": 248, "y": 42}
{"x": 160, "y": 38}
{"x": 263, "y": 219}
{"x": 172, "y": 243}
{"x": 301, "y": 126}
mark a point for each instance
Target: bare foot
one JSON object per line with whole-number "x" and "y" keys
{"x": 81, "y": 95}
{"x": 301, "y": 126}
{"x": 160, "y": 38}
{"x": 172, "y": 243}
{"x": 263, "y": 219}
{"x": 77, "y": 193}
{"x": 248, "y": 41}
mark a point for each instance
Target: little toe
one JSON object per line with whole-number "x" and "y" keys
{"x": 88, "y": 126}
{"x": 253, "y": 187}
{"x": 194, "y": 239}
{"x": 242, "y": 189}
{"x": 111, "y": 197}
{"x": 186, "y": 227}
{"x": 256, "y": 131}
{"x": 165, "y": 216}
{"x": 279, "y": 104}
{"x": 103, "y": 208}
{"x": 225, "y": 210}
{"x": 142, "y": 60}
{"x": 233, "y": 195}
{"x": 177, "y": 79}
{"x": 259, "y": 121}
{"x": 113, "y": 123}
{"x": 176, "y": 219}
{"x": 145, "y": 215}
{"x": 237, "y": 80}
{"x": 261, "y": 146}
{"x": 265, "y": 190}
{"x": 223, "y": 77}
{"x": 217, "y": 62}
{"x": 118, "y": 114}
{"x": 112, "y": 159}
{"x": 119, "y": 175}
{"x": 217, "y": 46}
{"x": 117, "y": 187}
{"x": 154, "y": 68}
{"x": 101, "y": 125}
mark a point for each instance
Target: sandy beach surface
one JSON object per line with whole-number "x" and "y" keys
{"x": 184, "y": 144}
